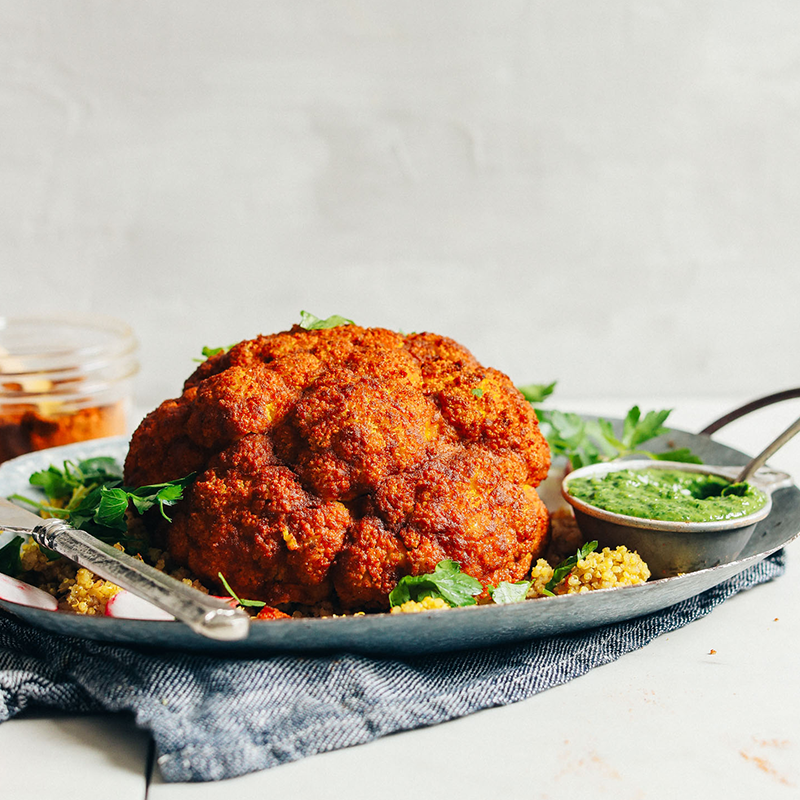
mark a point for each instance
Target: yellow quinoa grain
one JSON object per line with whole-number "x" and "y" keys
{"x": 88, "y": 595}
{"x": 426, "y": 604}
{"x": 608, "y": 569}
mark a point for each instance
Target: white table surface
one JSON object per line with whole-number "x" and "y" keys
{"x": 709, "y": 710}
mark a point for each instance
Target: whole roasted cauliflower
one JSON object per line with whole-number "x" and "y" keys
{"x": 330, "y": 463}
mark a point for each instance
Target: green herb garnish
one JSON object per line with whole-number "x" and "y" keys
{"x": 58, "y": 484}
{"x": 587, "y": 441}
{"x": 10, "y": 557}
{"x": 90, "y": 496}
{"x": 312, "y": 323}
{"x": 239, "y": 600}
{"x": 114, "y": 501}
{"x": 477, "y": 391}
{"x": 510, "y": 592}
{"x": 207, "y": 352}
{"x": 537, "y": 392}
{"x": 447, "y": 581}
{"x": 566, "y": 566}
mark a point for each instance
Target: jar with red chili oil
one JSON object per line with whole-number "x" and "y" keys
{"x": 63, "y": 379}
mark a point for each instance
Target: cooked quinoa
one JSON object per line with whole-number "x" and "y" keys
{"x": 78, "y": 589}
{"x": 426, "y": 604}
{"x": 608, "y": 569}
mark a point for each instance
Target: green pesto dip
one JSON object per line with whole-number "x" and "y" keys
{"x": 668, "y": 494}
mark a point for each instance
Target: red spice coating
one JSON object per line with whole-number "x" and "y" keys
{"x": 332, "y": 462}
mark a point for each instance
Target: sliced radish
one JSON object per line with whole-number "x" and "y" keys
{"x": 125, "y": 605}
{"x": 26, "y": 595}
{"x": 229, "y": 600}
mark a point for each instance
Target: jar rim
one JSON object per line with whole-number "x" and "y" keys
{"x": 62, "y": 342}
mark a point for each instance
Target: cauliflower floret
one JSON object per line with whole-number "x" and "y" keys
{"x": 330, "y": 463}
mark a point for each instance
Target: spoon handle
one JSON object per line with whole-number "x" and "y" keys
{"x": 753, "y": 405}
{"x": 768, "y": 451}
{"x": 208, "y": 616}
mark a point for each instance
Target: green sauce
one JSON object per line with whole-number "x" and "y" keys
{"x": 668, "y": 494}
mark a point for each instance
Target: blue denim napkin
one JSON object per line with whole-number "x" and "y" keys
{"x": 215, "y": 718}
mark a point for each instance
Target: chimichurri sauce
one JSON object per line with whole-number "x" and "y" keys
{"x": 668, "y": 494}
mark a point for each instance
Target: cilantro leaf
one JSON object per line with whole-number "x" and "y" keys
{"x": 537, "y": 392}
{"x": 239, "y": 601}
{"x": 113, "y": 502}
{"x": 683, "y": 454}
{"x": 447, "y": 581}
{"x": 52, "y": 481}
{"x": 510, "y": 592}
{"x": 111, "y": 508}
{"x": 208, "y": 352}
{"x": 567, "y": 434}
{"x": 60, "y": 483}
{"x": 636, "y": 431}
{"x": 10, "y": 557}
{"x": 567, "y": 565}
{"x": 312, "y": 323}
{"x": 586, "y": 442}
{"x": 90, "y": 496}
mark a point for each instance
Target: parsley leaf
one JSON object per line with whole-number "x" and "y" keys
{"x": 10, "y": 557}
{"x": 114, "y": 502}
{"x": 567, "y": 565}
{"x": 510, "y": 592}
{"x": 312, "y": 323}
{"x": 587, "y": 441}
{"x": 537, "y": 392}
{"x": 239, "y": 601}
{"x": 207, "y": 352}
{"x": 60, "y": 483}
{"x": 90, "y": 496}
{"x": 446, "y": 581}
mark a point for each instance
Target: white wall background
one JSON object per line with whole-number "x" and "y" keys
{"x": 604, "y": 193}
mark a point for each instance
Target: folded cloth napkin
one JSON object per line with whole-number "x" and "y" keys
{"x": 215, "y": 718}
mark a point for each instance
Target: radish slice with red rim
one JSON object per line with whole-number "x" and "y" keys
{"x": 25, "y": 595}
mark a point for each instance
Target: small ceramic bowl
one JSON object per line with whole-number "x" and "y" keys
{"x": 672, "y": 548}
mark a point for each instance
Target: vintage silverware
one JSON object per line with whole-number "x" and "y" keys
{"x": 211, "y": 617}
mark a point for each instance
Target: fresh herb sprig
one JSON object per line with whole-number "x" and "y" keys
{"x": 447, "y": 582}
{"x": 10, "y": 557}
{"x": 239, "y": 601}
{"x": 506, "y": 592}
{"x": 208, "y": 352}
{"x": 90, "y": 496}
{"x": 537, "y": 392}
{"x": 567, "y": 565}
{"x": 312, "y": 323}
{"x": 588, "y": 441}
{"x": 114, "y": 501}
{"x": 517, "y": 592}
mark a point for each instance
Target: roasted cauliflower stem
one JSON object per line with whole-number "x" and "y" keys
{"x": 331, "y": 463}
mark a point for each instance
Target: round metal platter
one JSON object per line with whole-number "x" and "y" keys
{"x": 413, "y": 634}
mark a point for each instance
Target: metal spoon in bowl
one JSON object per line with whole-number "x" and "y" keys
{"x": 769, "y": 450}
{"x": 671, "y": 547}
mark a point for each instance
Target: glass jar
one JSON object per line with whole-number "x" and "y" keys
{"x": 63, "y": 379}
